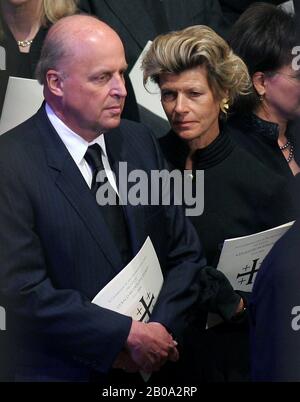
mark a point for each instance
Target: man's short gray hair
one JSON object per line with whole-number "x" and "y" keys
{"x": 54, "y": 51}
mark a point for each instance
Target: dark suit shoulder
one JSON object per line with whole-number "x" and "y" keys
{"x": 133, "y": 134}
{"x": 130, "y": 126}
{"x": 18, "y": 139}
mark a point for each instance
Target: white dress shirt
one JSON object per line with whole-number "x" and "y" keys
{"x": 77, "y": 148}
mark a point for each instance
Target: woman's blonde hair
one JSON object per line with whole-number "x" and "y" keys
{"x": 56, "y": 9}
{"x": 195, "y": 46}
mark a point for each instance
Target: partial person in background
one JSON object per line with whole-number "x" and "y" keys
{"x": 274, "y": 311}
{"x": 266, "y": 122}
{"x": 23, "y": 28}
{"x": 199, "y": 78}
{"x": 297, "y": 13}
{"x": 232, "y": 9}
{"x": 138, "y": 21}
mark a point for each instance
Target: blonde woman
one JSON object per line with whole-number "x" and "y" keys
{"x": 23, "y": 27}
{"x": 199, "y": 78}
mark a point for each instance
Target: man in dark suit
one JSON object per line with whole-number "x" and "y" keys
{"x": 58, "y": 247}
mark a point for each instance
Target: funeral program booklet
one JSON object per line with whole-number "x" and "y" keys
{"x": 135, "y": 289}
{"x": 241, "y": 257}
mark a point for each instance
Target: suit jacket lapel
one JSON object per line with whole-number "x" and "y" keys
{"x": 71, "y": 183}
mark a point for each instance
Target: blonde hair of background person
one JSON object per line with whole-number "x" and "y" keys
{"x": 195, "y": 46}
{"x": 52, "y": 11}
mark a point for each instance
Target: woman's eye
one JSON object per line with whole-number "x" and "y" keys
{"x": 168, "y": 96}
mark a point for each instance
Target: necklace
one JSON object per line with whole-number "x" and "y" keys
{"x": 288, "y": 144}
{"x": 24, "y": 43}
{"x": 285, "y": 146}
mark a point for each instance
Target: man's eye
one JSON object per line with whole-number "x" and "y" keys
{"x": 194, "y": 94}
{"x": 101, "y": 78}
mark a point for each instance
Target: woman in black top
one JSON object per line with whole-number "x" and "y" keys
{"x": 199, "y": 78}
{"x": 267, "y": 120}
{"x": 23, "y": 28}
{"x": 241, "y": 195}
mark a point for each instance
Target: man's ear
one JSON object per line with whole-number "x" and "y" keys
{"x": 55, "y": 82}
{"x": 258, "y": 80}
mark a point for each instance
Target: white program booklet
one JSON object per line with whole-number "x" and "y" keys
{"x": 288, "y": 6}
{"x": 135, "y": 289}
{"x": 22, "y": 100}
{"x": 150, "y": 99}
{"x": 241, "y": 257}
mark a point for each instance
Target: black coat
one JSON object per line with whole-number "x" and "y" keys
{"x": 259, "y": 138}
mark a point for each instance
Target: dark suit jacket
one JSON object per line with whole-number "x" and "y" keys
{"x": 57, "y": 252}
{"x": 138, "y": 21}
{"x": 274, "y": 312}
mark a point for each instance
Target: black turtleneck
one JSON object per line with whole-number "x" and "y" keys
{"x": 215, "y": 153}
{"x": 241, "y": 195}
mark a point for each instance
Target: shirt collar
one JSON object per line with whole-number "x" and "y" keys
{"x": 76, "y": 145}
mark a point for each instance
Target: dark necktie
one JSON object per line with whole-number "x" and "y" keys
{"x": 112, "y": 212}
